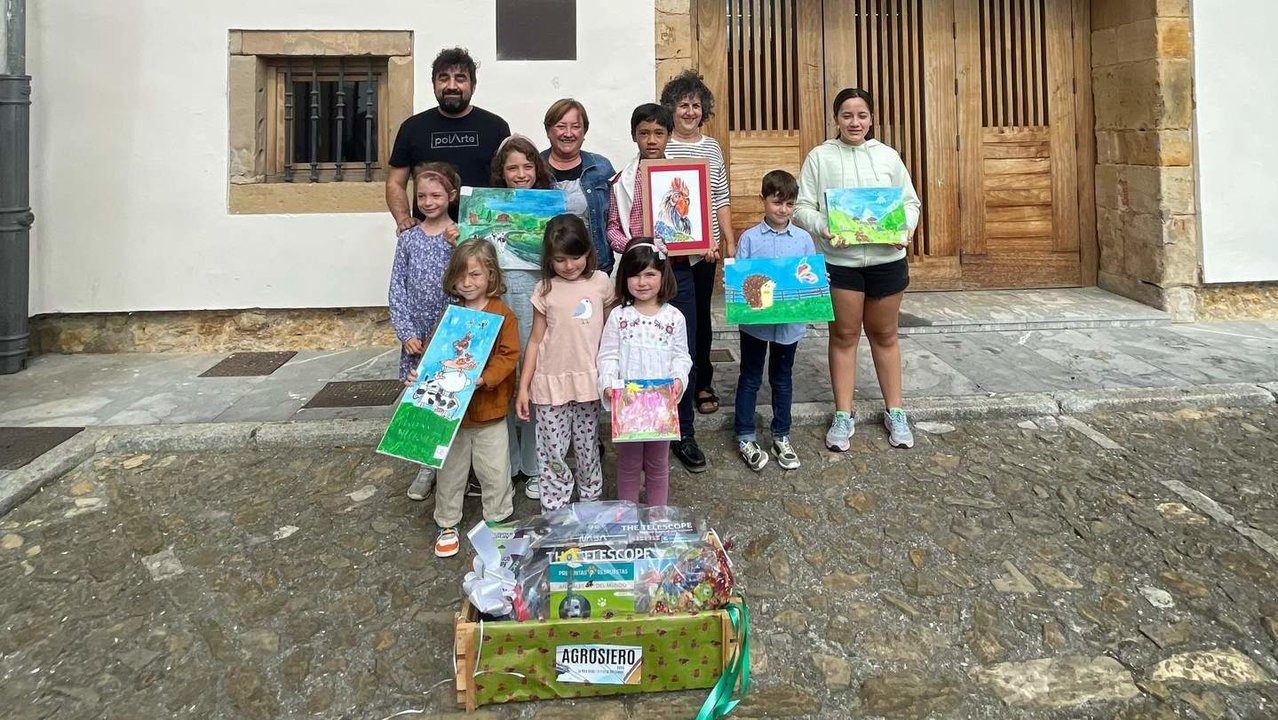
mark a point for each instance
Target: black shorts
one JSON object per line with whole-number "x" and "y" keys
{"x": 875, "y": 281}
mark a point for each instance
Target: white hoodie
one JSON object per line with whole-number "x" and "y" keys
{"x": 836, "y": 164}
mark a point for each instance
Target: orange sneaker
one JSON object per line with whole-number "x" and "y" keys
{"x": 447, "y": 544}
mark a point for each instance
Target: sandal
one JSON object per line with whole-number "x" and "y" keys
{"x": 706, "y": 398}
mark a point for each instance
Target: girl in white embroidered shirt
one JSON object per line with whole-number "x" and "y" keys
{"x": 644, "y": 338}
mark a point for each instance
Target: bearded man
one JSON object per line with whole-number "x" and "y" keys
{"x": 455, "y": 132}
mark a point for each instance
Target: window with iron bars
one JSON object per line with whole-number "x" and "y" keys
{"x": 327, "y": 119}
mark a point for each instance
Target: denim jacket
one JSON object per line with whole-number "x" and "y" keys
{"x": 596, "y": 171}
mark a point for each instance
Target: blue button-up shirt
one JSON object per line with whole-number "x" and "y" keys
{"x": 761, "y": 241}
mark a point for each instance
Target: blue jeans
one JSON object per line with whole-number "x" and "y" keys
{"x": 686, "y": 303}
{"x": 520, "y": 285}
{"x": 780, "y": 370}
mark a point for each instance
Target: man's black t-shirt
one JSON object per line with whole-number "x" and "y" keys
{"x": 468, "y": 142}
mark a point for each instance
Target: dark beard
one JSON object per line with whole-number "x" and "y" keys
{"x": 453, "y": 103}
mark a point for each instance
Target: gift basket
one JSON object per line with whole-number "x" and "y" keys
{"x": 600, "y": 598}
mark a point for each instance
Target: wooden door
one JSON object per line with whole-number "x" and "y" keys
{"x": 1018, "y": 135}
{"x": 980, "y": 98}
{"x": 762, "y": 60}
{"x": 902, "y": 51}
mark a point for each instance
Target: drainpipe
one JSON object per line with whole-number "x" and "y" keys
{"x": 15, "y": 197}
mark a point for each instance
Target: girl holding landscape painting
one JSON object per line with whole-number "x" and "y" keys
{"x": 517, "y": 164}
{"x": 867, "y": 277}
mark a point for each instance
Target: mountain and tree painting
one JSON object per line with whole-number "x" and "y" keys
{"x": 866, "y": 215}
{"x": 512, "y": 219}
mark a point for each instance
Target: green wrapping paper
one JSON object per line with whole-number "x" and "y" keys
{"x": 517, "y": 660}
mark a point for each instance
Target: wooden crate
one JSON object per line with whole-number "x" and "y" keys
{"x": 500, "y": 662}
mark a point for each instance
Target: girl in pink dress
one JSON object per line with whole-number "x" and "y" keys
{"x": 570, "y": 304}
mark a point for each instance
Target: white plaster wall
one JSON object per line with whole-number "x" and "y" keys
{"x": 1234, "y": 59}
{"x": 129, "y": 145}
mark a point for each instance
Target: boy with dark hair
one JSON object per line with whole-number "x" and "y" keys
{"x": 455, "y": 132}
{"x": 775, "y": 237}
{"x": 650, "y": 127}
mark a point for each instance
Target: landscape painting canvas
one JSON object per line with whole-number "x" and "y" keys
{"x": 676, "y": 204}
{"x": 644, "y": 410}
{"x": 512, "y": 219}
{"x": 430, "y": 411}
{"x": 866, "y": 215}
{"x": 776, "y": 290}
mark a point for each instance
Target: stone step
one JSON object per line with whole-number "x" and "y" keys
{"x": 1001, "y": 310}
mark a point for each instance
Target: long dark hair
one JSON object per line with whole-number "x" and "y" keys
{"x": 520, "y": 144}
{"x": 566, "y": 234}
{"x": 639, "y": 256}
{"x": 847, "y": 94}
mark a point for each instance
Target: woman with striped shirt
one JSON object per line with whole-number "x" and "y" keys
{"x": 692, "y": 104}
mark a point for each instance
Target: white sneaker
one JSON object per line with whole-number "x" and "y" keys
{"x": 898, "y": 427}
{"x": 787, "y": 458}
{"x": 447, "y": 543}
{"x": 753, "y": 456}
{"x": 838, "y": 437}
{"x": 423, "y": 485}
{"x": 532, "y": 489}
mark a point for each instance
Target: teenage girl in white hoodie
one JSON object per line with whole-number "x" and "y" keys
{"x": 867, "y": 281}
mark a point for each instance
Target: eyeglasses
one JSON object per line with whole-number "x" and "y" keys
{"x": 564, "y": 127}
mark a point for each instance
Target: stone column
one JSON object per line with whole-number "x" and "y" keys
{"x": 1146, "y": 209}
{"x": 674, "y": 33}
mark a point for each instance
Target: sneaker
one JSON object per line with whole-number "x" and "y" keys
{"x": 473, "y": 489}
{"x": 753, "y": 455}
{"x": 447, "y": 544}
{"x": 532, "y": 489}
{"x": 423, "y": 485}
{"x": 840, "y": 433}
{"x": 786, "y": 457}
{"x": 898, "y": 428}
{"x": 686, "y": 450}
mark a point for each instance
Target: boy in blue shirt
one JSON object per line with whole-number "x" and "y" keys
{"x": 775, "y": 237}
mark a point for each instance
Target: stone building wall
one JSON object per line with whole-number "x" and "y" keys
{"x": 1146, "y": 211}
{"x": 674, "y": 38}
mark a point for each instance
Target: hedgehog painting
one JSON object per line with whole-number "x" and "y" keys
{"x": 758, "y": 291}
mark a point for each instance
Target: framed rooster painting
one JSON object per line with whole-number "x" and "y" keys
{"x": 676, "y": 204}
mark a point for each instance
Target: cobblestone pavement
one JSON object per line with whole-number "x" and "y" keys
{"x": 1055, "y": 568}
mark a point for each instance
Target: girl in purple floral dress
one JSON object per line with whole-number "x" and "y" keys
{"x": 417, "y": 296}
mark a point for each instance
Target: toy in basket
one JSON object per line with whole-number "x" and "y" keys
{"x": 599, "y": 599}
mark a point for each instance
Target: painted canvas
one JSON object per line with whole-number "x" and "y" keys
{"x": 512, "y": 219}
{"x": 644, "y": 410}
{"x": 874, "y": 215}
{"x": 676, "y": 204}
{"x": 776, "y": 290}
{"x": 431, "y": 409}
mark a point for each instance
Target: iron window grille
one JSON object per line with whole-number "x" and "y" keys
{"x": 327, "y": 119}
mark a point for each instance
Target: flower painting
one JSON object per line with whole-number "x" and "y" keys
{"x": 645, "y": 410}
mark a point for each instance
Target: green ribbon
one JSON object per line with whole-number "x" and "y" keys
{"x": 721, "y": 701}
